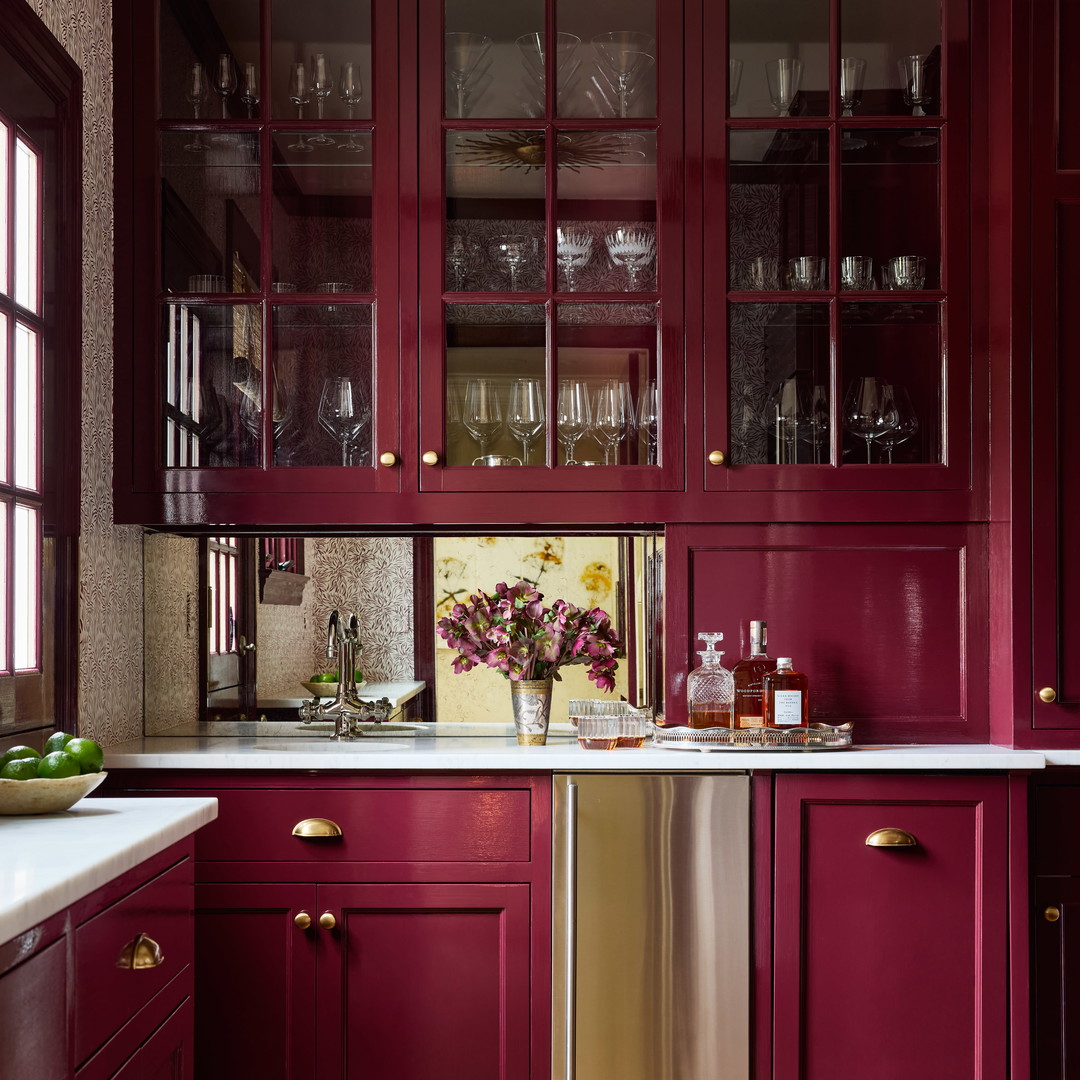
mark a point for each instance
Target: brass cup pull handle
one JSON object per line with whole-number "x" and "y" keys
{"x": 1052, "y": 914}
{"x": 891, "y": 838}
{"x": 317, "y": 828}
{"x": 140, "y": 954}
{"x": 1048, "y": 694}
{"x": 327, "y": 920}
{"x": 302, "y": 919}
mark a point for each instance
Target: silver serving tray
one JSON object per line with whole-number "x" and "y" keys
{"x": 768, "y": 740}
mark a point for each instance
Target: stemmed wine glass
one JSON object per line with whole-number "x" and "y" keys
{"x": 907, "y": 422}
{"x": 913, "y": 76}
{"x": 454, "y": 409}
{"x": 225, "y": 82}
{"x": 790, "y": 411}
{"x": 734, "y": 67}
{"x": 351, "y": 92}
{"x": 784, "y": 75}
{"x": 464, "y": 52}
{"x": 300, "y": 95}
{"x": 196, "y": 91}
{"x": 624, "y": 57}
{"x": 852, "y": 73}
{"x": 461, "y": 254}
{"x": 573, "y": 249}
{"x": 612, "y": 415}
{"x": 869, "y": 410}
{"x": 817, "y": 421}
{"x": 322, "y": 83}
{"x": 482, "y": 414}
{"x": 572, "y": 415}
{"x": 633, "y": 248}
{"x": 249, "y": 92}
{"x": 525, "y": 417}
{"x": 514, "y": 250}
{"x": 648, "y": 420}
{"x": 342, "y": 411}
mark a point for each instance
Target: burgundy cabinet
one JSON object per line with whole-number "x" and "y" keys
{"x": 33, "y": 1011}
{"x": 890, "y": 927}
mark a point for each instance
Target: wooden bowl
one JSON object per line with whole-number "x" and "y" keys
{"x": 322, "y": 689}
{"x": 44, "y": 796}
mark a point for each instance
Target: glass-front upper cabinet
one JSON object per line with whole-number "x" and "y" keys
{"x": 551, "y": 260}
{"x": 270, "y": 131}
{"x": 836, "y": 227}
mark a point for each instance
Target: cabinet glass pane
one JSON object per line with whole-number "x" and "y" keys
{"x": 1067, "y": 127}
{"x": 606, "y": 390}
{"x": 322, "y": 373}
{"x": 322, "y": 215}
{"x": 779, "y": 56}
{"x": 210, "y": 212}
{"x": 209, "y": 59}
{"x": 900, "y": 49}
{"x": 779, "y": 384}
{"x": 494, "y": 58}
{"x": 890, "y": 209}
{"x": 310, "y": 44}
{"x": 495, "y": 395}
{"x": 610, "y": 65}
{"x": 495, "y": 211}
{"x": 606, "y": 239}
{"x": 778, "y": 210}
{"x": 209, "y": 354}
{"x": 891, "y": 360}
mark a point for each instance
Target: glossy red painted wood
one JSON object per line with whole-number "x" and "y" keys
{"x": 873, "y": 942}
{"x": 167, "y": 1055}
{"x": 887, "y": 621}
{"x": 417, "y": 981}
{"x": 33, "y": 1016}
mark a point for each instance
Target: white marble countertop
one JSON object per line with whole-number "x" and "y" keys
{"x": 491, "y": 753}
{"x": 49, "y": 861}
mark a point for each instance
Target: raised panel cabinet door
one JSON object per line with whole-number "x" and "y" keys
{"x": 1057, "y": 978}
{"x": 33, "y": 1016}
{"x": 255, "y": 978}
{"x": 422, "y": 981}
{"x": 890, "y": 961}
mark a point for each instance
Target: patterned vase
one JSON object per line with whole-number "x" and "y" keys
{"x": 531, "y": 699}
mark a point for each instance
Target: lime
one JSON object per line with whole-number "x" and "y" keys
{"x": 20, "y": 769}
{"x": 87, "y": 753}
{"x": 325, "y": 676}
{"x": 57, "y": 741}
{"x": 17, "y": 752}
{"x": 57, "y": 765}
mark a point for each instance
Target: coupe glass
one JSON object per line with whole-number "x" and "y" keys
{"x": 634, "y": 249}
{"x": 784, "y": 75}
{"x": 225, "y": 82}
{"x": 482, "y": 414}
{"x": 573, "y": 249}
{"x": 196, "y": 91}
{"x": 464, "y": 54}
{"x": 913, "y": 77}
{"x": 624, "y": 57}
{"x": 342, "y": 411}
{"x": 525, "y": 417}
{"x": 869, "y": 410}
{"x": 322, "y": 84}
{"x": 612, "y": 416}
{"x": 648, "y": 420}
{"x": 907, "y": 422}
{"x": 351, "y": 92}
{"x": 852, "y": 74}
{"x": 249, "y": 92}
{"x": 572, "y": 414}
{"x": 300, "y": 95}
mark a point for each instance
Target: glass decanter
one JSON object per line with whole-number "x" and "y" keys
{"x": 710, "y": 688}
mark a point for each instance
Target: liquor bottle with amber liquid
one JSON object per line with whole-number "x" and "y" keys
{"x": 710, "y": 689}
{"x": 749, "y": 674}
{"x": 786, "y": 696}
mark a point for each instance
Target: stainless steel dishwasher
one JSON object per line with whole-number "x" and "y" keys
{"x": 651, "y": 938}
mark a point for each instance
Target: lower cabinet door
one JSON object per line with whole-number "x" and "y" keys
{"x": 33, "y": 1016}
{"x": 1057, "y": 977}
{"x": 419, "y": 981}
{"x": 255, "y": 981}
{"x": 890, "y": 959}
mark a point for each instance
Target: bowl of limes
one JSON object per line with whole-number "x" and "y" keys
{"x": 44, "y": 783}
{"x": 325, "y": 683}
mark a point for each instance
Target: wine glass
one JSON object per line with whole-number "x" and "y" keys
{"x": 322, "y": 84}
{"x": 455, "y": 407}
{"x": 634, "y": 249}
{"x": 196, "y": 91}
{"x": 734, "y": 66}
{"x": 817, "y": 421}
{"x": 482, "y": 413}
{"x": 869, "y": 410}
{"x": 648, "y": 420}
{"x": 514, "y": 250}
{"x": 612, "y": 415}
{"x": 573, "y": 249}
{"x": 464, "y": 52}
{"x": 913, "y": 76}
{"x": 461, "y": 252}
{"x": 342, "y": 411}
{"x": 351, "y": 92}
{"x": 300, "y": 95}
{"x": 907, "y": 422}
{"x": 525, "y": 417}
{"x": 249, "y": 93}
{"x": 852, "y": 73}
{"x": 624, "y": 56}
{"x": 225, "y": 82}
{"x": 572, "y": 414}
{"x": 784, "y": 75}
{"x": 790, "y": 411}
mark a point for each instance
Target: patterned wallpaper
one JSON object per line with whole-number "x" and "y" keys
{"x": 110, "y": 558}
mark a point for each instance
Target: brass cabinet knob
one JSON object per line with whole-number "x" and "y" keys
{"x": 140, "y": 954}
{"x": 716, "y": 457}
{"x": 891, "y": 838}
{"x": 327, "y": 921}
{"x": 317, "y": 828}
{"x": 430, "y": 458}
{"x": 1048, "y": 694}
{"x": 302, "y": 919}
{"x": 388, "y": 458}
{"x": 1051, "y": 914}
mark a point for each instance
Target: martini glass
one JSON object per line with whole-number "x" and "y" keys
{"x": 464, "y": 53}
{"x": 624, "y": 57}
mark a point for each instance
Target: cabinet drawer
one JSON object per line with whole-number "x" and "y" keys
{"x": 108, "y": 990}
{"x": 444, "y": 825}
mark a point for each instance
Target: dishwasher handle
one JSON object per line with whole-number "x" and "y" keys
{"x": 570, "y": 1004}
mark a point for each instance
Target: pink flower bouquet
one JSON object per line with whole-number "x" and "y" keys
{"x": 513, "y": 632}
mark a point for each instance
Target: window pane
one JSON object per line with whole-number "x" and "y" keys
{"x": 4, "y": 208}
{"x": 5, "y": 531}
{"x": 25, "y": 414}
{"x": 5, "y": 465}
{"x": 26, "y": 587}
{"x": 27, "y": 208}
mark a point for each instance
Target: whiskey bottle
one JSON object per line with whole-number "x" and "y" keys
{"x": 710, "y": 689}
{"x": 749, "y": 674}
{"x": 786, "y": 697}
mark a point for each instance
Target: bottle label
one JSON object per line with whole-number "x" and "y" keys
{"x": 787, "y": 708}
